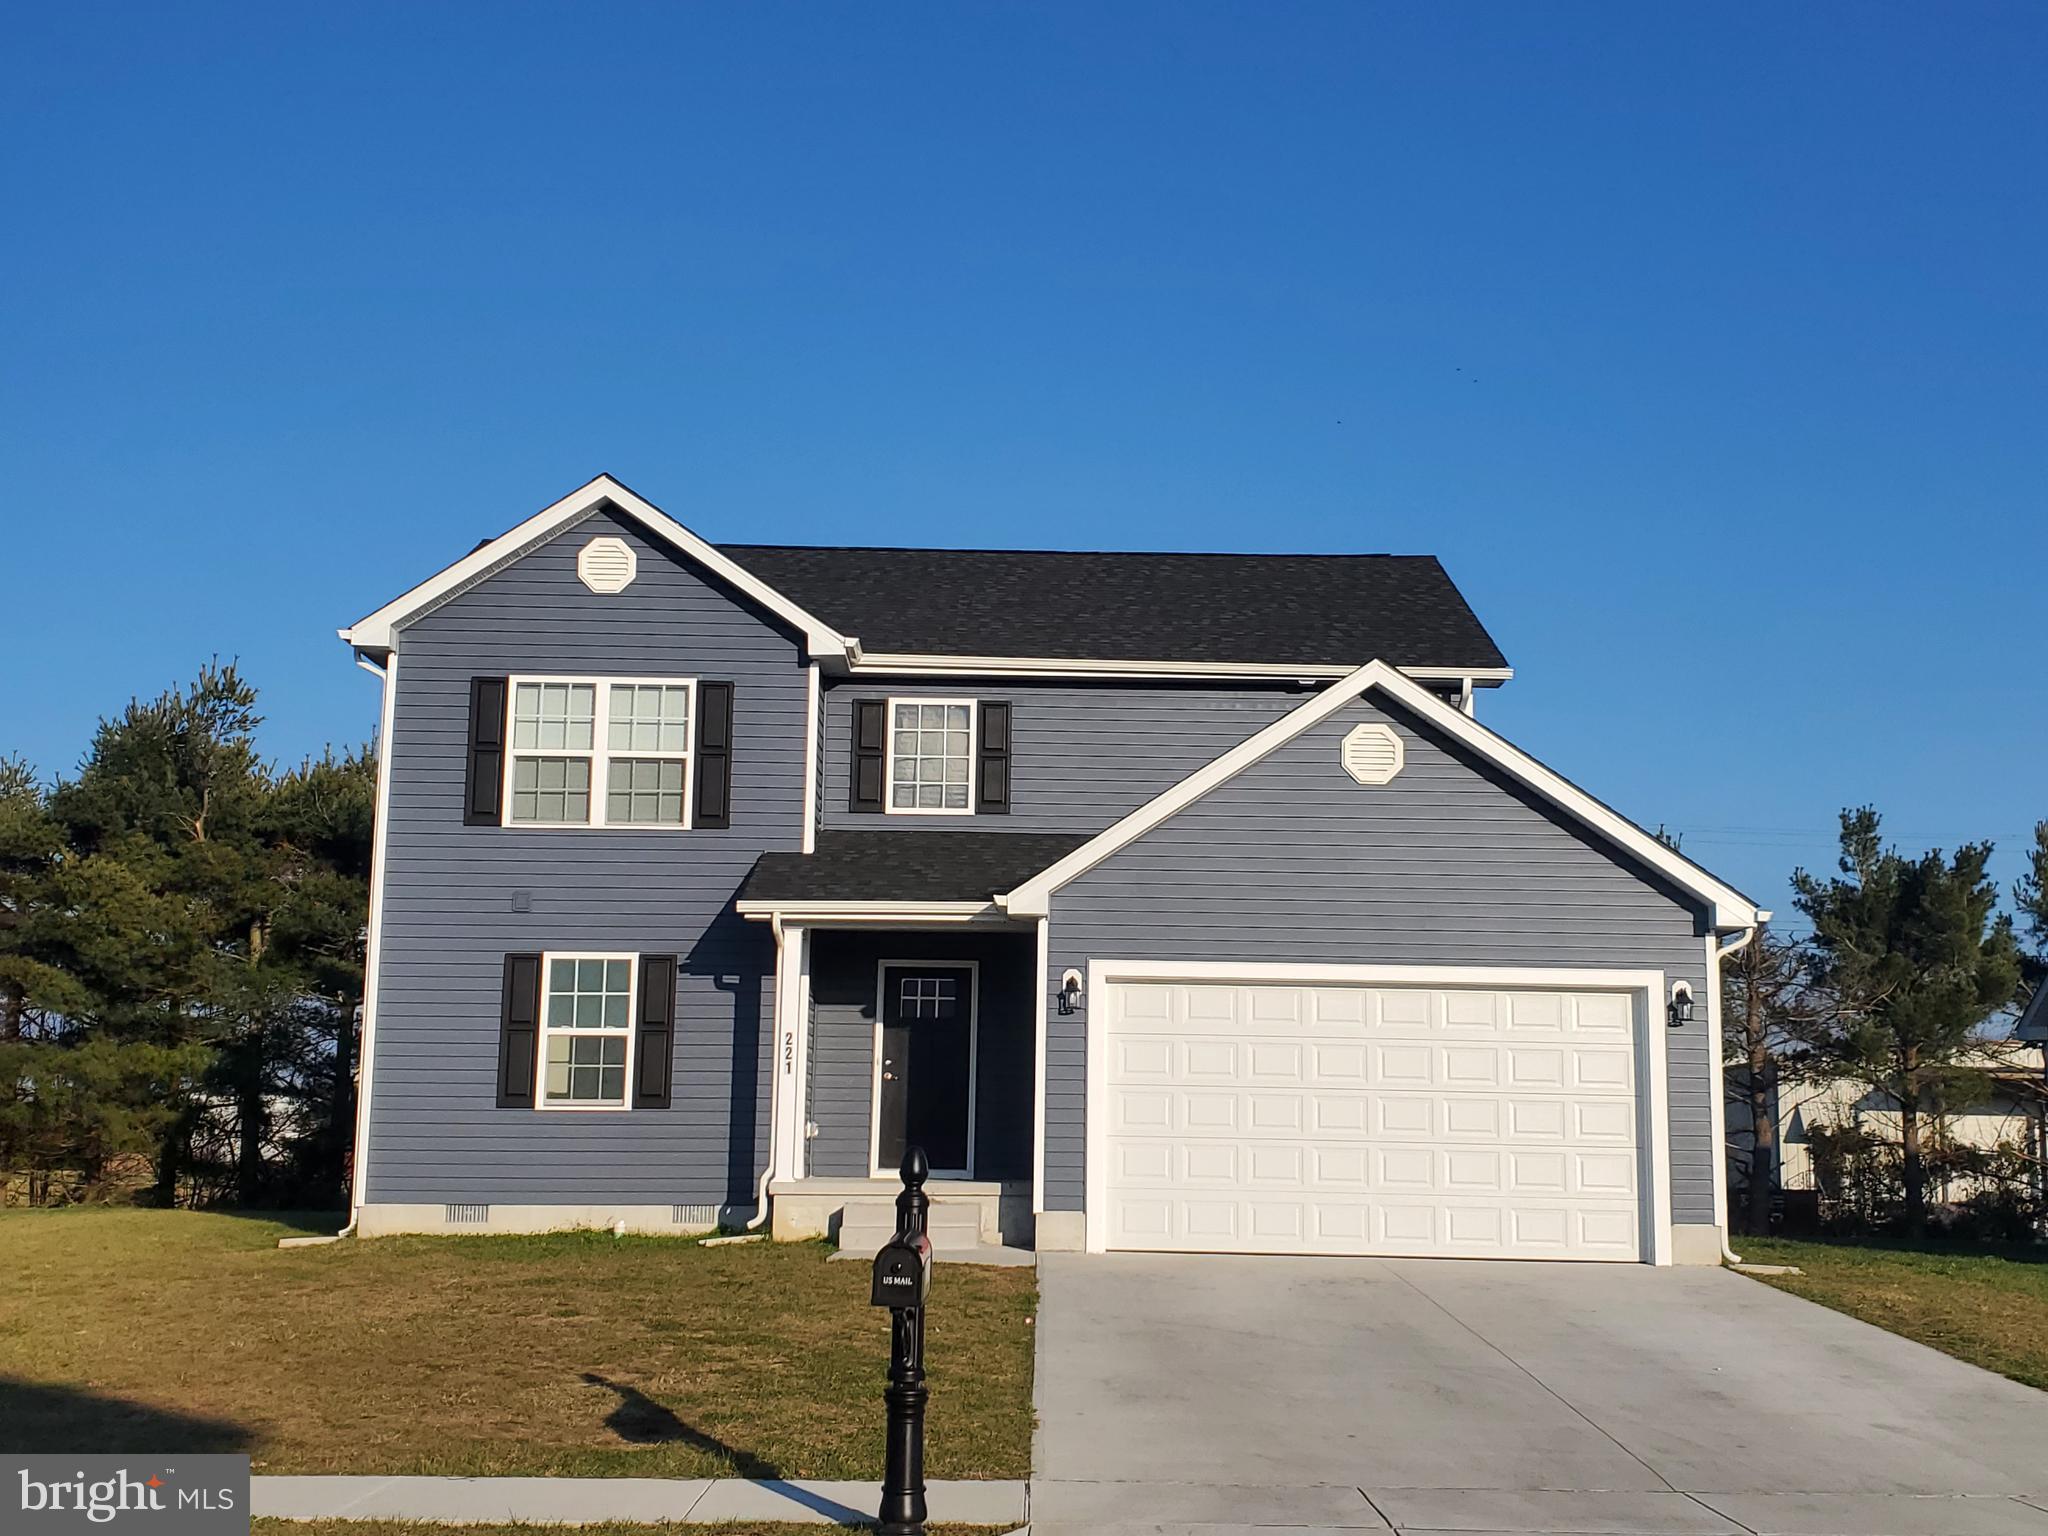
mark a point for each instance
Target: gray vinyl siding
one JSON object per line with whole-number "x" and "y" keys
{"x": 1450, "y": 864}
{"x": 436, "y": 1133}
{"x": 1081, "y": 754}
{"x": 842, "y": 1060}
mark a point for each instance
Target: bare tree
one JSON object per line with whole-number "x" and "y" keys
{"x": 1770, "y": 1014}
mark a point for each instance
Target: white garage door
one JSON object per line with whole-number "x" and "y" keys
{"x": 1371, "y": 1120}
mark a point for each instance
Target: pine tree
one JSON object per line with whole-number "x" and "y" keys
{"x": 1916, "y": 960}
{"x": 172, "y": 790}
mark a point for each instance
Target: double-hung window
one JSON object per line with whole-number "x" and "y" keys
{"x": 596, "y": 752}
{"x": 586, "y": 1030}
{"x": 931, "y": 756}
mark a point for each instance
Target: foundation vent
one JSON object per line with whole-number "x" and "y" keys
{"x": 466, "y": 1215}
{"x": 693, "y": 1215}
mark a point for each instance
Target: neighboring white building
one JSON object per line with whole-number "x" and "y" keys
{"x": 2015, "y": 1113}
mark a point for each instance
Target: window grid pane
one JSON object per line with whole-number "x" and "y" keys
{"x": 649, "y": 717}
{"x": 644, "y": 791}
{"x": 931, "y": 757}
{"x": 551, "y": 789}
{"x": 554, "y": 717}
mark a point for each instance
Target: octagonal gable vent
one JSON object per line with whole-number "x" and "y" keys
{"x": 607, "y": 565}
{"x": 1372, "y": 754}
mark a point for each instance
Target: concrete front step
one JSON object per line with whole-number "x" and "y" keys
{"x": 865, "y": 1226}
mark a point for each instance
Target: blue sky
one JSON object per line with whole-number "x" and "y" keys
{"x": 1706, "y": 347}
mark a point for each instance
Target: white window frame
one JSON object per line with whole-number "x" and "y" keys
{"x": 889, "y": 805}
{"x": 600, "y": 753}
{"x": 540, "y": 1049}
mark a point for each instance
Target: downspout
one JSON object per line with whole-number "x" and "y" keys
{"x": 774, "y": 1089}
{"x": 365, "y": 1038}
{"x": 1722, "y": 952}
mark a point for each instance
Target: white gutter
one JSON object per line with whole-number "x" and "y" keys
{"x": 1722, "y": 952}
{"x": 373, "y": 949}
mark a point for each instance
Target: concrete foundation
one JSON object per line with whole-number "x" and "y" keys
{"x": 1694, "y": 1243}
{"x": 390, "y": 1220}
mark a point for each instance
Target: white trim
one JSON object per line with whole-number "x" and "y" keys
{"x": 856, "y": 912}
{"x": 916, "y": 664}
{"x": 542, "y": 1031}
{"x": 1653, "y": 1129}
{"x": 378, "y": 631}
{"x": 812, "y": 708}
{"x": 889, "y": 805}
{"x": 1729, "y": 908}
{"x": 373, "y": 951}
{"x": 600, "y": 753}
{"x": 1717, "y": 1070}
{"x": 1038, "y": 1034}
{"x": 882, "y": 969}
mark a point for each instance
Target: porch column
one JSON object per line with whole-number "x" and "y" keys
{"x": 792, "y": 1049}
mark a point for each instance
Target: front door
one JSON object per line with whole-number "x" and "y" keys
{"x": 925, "y": 1097}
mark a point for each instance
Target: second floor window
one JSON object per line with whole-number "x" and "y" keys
{"x": 931, "y": 756}
{"x": 597, "y": 752}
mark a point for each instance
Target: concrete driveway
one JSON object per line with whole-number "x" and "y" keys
{"x": 1439, "y": 1395}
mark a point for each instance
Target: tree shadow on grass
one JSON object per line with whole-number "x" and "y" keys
{"x": 639, "y": 1420}
{"x": 312, "y": 1223}
{"x": 40, "y": 1418}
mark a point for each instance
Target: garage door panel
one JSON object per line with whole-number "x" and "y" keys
{"x": 1143, "y": 1059}
{"x": 1320, "y": 1119}
{"x": 1209, "y": 1061}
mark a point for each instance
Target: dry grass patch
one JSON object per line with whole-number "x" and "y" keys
{"x": 576, "y": 1354}
{"x": 1989, "y": 1308}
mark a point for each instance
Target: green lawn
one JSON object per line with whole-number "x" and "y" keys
{"x": 1989, "y": 1308}
{"x": 577, "y": 1354}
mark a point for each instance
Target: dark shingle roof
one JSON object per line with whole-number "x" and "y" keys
{"x": 907, "y": 866}
{"x": 1319, "y": 610}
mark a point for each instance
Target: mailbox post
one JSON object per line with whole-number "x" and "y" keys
{"x": 903, "y": 1277}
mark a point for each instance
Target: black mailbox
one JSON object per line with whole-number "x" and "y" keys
{"x": 903, "y": 1272}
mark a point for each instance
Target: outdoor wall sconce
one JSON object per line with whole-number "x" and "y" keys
{"x": 1680, "y": 1013}
{"x": 1070, "y": 990}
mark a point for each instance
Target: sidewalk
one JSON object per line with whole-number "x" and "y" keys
{"x": 586, "y": 1500}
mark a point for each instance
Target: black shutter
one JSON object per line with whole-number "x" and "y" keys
{"x": 519, "y": 1031}
{"x": 483, "y": 783}
{"x": 992, "y": 766}
{"x": 870, "y": 720}
{"x": 653, "y": 1051}
{"x": 714, "y": 755}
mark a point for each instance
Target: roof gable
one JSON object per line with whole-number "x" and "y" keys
{"x": 377, "y": 632}
{"x": 1728, "y": 908}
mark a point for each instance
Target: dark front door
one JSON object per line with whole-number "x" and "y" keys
{"x": 927, "y": 1065}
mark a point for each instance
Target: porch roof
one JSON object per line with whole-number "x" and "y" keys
{"x": 905, "y": 866}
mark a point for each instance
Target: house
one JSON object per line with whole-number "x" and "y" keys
{"x": 1167, "y": 901}
{"x": 2013, "y": 1113}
